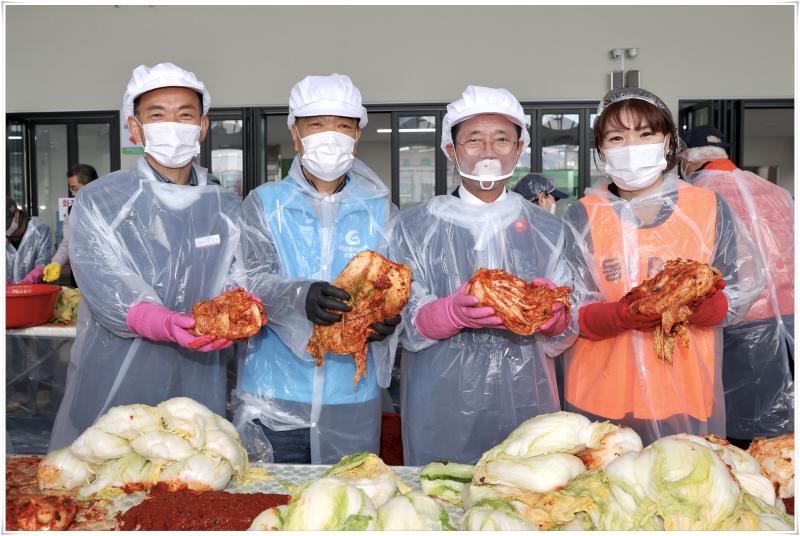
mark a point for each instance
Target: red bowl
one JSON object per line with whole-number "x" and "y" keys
{"x": 30, "y": 305}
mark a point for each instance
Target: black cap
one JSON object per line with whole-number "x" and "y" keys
{"x": 532, "y": 184}
{"x": 705, "y": 136}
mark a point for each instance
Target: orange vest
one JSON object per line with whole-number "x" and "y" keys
{"x": 622, "y": 375}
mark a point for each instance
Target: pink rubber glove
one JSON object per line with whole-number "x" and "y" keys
{"x": 559, "y": 322}
{"x": 259, "y": 300}
{"x": 34, "y": 276}
{"x": 157, "y": 323}
{"x": 445, "y": 317}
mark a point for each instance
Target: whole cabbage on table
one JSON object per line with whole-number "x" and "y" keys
{"x": 180, "y": 443}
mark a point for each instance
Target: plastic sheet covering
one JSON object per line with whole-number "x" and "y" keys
{"x": 136, "y": 239}
{"x": 759, "y": 388}
{"x": 292, "y": 236}
{"x": 464, "y": 394}
{"x": 621, "y": 378}
{"x": 34, "y": 250}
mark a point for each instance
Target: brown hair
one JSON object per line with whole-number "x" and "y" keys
{"x": 645, "y": 115}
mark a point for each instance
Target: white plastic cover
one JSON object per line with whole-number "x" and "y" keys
{"x": 292, "y": 236}
{"x": 462, "y": 395}
{"x": 611, "y": 251}
{"x": 759, "y": 389}
{"x": 34, "y": 250}
{"x": 136, "y": 239}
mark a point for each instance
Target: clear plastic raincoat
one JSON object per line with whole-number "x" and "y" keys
{"x": 759, "y": 388}
{"x": 292, "y": 236}
{"x": 621, "y": 378}
{"x": 34, "y": 250}
{"x": 133, "y": 239}
{"x": 463, "y": 394}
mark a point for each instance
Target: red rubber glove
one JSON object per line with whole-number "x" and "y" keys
{"x": 34, "y": 276}
{"x": 559, "y": 322}
{"x": 599, "y": 321}
{"x": 711, "y": 311}
{"x": 157, "y": 323}
{"x": 447, "y": 316}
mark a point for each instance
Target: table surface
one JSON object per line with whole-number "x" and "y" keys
{"x": 274, "y": 478}
{"x": 48, "y": 331}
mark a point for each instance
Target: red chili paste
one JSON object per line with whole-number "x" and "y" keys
{"x": 198, "y": 510}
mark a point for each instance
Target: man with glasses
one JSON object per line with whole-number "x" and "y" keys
{"x": 466, "y": 381}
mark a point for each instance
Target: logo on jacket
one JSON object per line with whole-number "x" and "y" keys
{"x": 612, "y": 269}
{"x": 352, "y": 238}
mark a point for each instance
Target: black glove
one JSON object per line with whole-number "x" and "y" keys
{"x": 384, "y": 329}
{"x": 322, "y": 294}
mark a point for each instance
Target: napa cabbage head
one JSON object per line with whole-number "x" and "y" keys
{"x": 61, "y": 469}
{"x": 493, "y": 514}
{"x": 694, "y": 488}
{"x": 129, "y": 421}
{"x": 368, "y": 472}
{"x": 329, "y": 504}
{"x": 551, "y": 432}
{"x": 95, "y": 446}
{"x": 130, "y": 469}
{"x": 542, "y": 473}
{"x": 412, "y": 511}
{"x": 198, "y": 472}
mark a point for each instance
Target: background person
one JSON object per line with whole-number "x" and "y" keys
{"x": 758, "y": 354}
{"x": 78, "y": 176}
{"x": 540, "y": 191}
{"x": 28, "y": 246}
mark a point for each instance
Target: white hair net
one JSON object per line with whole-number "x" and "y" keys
{"x": 334, "y": 94}
{"x": 146, "y": 79}
{"x": 477, "y": 100}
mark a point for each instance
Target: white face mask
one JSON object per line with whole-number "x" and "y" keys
{"x": 173, "y": 145}
{"x": 635, "y": 167}
{"x": 487, "y": 172}
{"x": 552, "y": 208}
{"x": 328, "y": 155}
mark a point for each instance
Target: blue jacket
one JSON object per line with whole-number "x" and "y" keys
{"x": 306, "y": 237}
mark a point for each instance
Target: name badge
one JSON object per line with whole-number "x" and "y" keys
{"x": 206, "y": 241}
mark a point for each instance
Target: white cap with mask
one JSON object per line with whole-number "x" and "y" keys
{"x": 474, "y": 101}
{"x": 327, "y": 155}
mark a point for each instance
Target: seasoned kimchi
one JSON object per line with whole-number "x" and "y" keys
{"x": 378, "y": 289}
{"x": 673, "y": 293}
{"x": 232, "y": 315}
{"x": 523, "y": 307}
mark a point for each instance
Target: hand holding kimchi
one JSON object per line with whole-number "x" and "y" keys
{"x": 673, "y": 293}
{"x": 378, "y": 289}
{"x": 523, "y": 307}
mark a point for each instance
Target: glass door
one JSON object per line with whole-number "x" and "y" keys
{"x": 223, "y": 151}
{"x": 42, "y": 148}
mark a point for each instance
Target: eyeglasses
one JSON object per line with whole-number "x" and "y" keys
{"x": 73, "y": 189}
{"x": 501, "y": 146}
